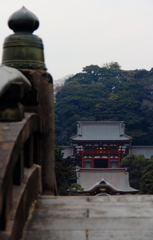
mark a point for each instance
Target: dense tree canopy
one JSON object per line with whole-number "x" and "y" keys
{"x": 140, "y": 172}
{"x": 136, "y": 165}
{"x": 65, "y": 173}
{"x": 106, "y": 93}
{"x": 147, "y": 178}
{"x": 74, "y": 189}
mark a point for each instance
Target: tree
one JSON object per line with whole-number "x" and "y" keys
{"x": 106, "y": 93}
{"x": 65, "y": 174}
{"x": 74, "y": 189}
{"x": 147, "y": 178}
{"x": 136, "y": 165}
{"x": 112, "y": 65}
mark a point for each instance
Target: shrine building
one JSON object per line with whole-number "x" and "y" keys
{"x": 100, "y": 144}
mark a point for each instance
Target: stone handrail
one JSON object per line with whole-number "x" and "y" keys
{"x": 20, "y": 172}
{"x": 20, "y": 150}
{"x": 26, "y": 124}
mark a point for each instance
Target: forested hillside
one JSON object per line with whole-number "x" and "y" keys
{"x": 106, "y": 93}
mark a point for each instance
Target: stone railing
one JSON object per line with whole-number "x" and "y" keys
{"x": 26, "y": 124}
{"x": 20, "y": 149}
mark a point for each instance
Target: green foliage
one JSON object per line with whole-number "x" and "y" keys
{"x": 140, "y": 172}
{"x": 147, "y": 178}
{"x": 106, "y": 93}
{"x": 74, "y": 188}
{"x": 112, "y": 65}
{"x": 65, "y": 174}
{"x": 136, "y": 165}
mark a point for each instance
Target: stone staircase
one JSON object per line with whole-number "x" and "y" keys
{"x": 128, "y": 217}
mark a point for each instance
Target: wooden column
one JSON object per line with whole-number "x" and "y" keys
{"x": 82, "y": 156}
{"x": 108, "y": 155}
{"x": 108, "y": 160}
{"x": 119, "y": 156}
{"x": 93, "y": 154}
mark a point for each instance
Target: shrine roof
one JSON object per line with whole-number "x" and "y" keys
{"x": 117, "y": 178}
{"x": 100, "y": 131}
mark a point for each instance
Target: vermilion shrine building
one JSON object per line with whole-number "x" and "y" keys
{"x": 100, "y": 144}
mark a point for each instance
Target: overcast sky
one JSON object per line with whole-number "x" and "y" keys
{"x": 78, "y": 33}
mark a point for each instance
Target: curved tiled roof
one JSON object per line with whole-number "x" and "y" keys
{"x": 101, "y": 130}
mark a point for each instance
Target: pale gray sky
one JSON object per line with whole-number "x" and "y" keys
{"x": 78, "y": 33}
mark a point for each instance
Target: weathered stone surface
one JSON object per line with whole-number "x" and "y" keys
{"x": 92, "y": 218}
{"x": 56, "y": 235}
{"x": 42, "y": 83}
{"x": 120, "y": 235}
{"x": 13, "y": 136}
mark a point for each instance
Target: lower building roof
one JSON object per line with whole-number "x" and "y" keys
{"x": 118, "y": 178}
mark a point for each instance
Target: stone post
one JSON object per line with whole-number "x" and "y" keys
{"x": 24, "y": 51}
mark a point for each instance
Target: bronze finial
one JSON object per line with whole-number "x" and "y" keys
{"x": 23, "y": 20}
{"x": 23, "y": 50}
